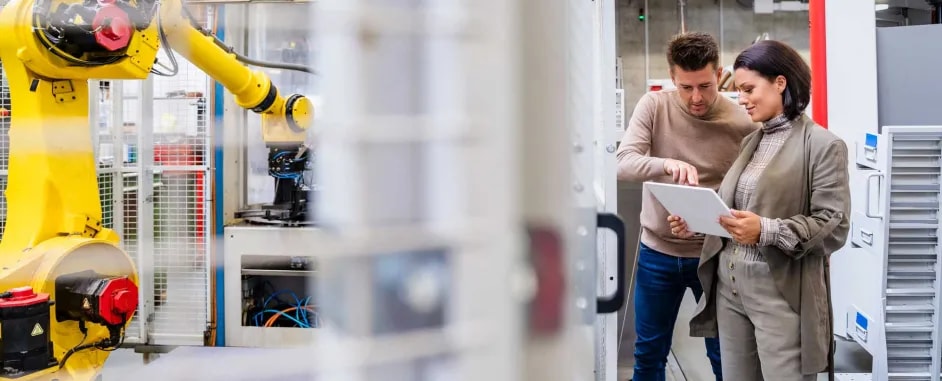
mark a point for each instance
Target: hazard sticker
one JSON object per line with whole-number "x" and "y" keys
{"x": 37, "y": 330}
{"x": 86, "y": 305}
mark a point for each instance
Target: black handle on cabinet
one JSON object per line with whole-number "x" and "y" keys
{"x": 613, "y": 303}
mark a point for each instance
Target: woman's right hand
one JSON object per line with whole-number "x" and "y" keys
{"x": 679, "y": 227}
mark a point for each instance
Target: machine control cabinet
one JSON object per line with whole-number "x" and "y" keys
{"x": 899, "y": 180}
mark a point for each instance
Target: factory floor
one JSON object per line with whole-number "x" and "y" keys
{"x": 687, "y": 363}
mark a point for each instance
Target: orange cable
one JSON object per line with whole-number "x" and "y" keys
{"x": 284, "y": 312}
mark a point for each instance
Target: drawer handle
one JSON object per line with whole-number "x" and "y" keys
{"x": 867, "y": 206}
{"x": 870, "y": 153}
{"x": 866, "y": 237}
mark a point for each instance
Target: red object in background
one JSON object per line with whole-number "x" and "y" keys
{"x": 819, "y": 65}
{"x": 175, "y": 154}
{"x": 546, "y": 255}
{"x": 656, "y": 88}
{"x": 184, "y": 154}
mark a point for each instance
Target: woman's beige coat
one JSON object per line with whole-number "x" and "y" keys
{"x": 806, "y": 185}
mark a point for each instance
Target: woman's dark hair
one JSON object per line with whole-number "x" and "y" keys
{"x": 771, "y": 59}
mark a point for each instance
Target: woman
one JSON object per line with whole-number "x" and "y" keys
{"x": 766, "y": 288}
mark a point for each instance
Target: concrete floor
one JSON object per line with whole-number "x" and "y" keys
{"x": 121, "y": 363}
{"x": 210, "y": 364}
{"x": 689, "y": 362}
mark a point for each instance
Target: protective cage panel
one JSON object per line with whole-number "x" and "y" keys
{"x": 160, "y": 204}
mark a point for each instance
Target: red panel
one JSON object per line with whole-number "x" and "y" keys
{"x": 23, "y": 297}
{"x": 546, "y": 310}
{"x": 819, "y": 65}
{"x": 184, "y": 154}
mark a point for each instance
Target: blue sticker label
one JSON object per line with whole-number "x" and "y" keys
{"x": 861, "y": 321}
{"x": 871, "y": 141}
{"x": 862, "y": 324}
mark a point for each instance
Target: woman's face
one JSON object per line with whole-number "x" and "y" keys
{"x": 761, "y": 97}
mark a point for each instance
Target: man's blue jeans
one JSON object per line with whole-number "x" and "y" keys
{"x": 660, "y": 285}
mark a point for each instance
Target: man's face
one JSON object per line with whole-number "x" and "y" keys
{"x": 698, "y": 89}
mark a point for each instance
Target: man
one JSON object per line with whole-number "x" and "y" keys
{"x": 690, "y": 136}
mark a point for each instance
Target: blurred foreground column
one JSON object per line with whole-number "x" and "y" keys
{"x": 445, "y": 151}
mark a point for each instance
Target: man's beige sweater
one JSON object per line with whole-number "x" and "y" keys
{"x": 661, "y": 128}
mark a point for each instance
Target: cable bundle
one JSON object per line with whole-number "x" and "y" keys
{"x": 298, "y": 314}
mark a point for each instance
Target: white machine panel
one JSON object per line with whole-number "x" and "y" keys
{"x": 273, "y": 256}
{"x": 867, "y": 232}
{"x": 871, "y": 152}
{"x": 899, "y": 223}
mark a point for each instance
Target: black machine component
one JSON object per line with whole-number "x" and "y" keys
{"x": 936, "y": 11}
{"x": 95, "y": 32}
{"x": 293, "y": 191}
{"x": 24, "y": 327}
{"x": 89, "y": 296}
{"x": 287, "y": 166}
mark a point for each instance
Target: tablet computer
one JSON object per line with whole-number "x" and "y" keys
{"x": 700, "y": 207}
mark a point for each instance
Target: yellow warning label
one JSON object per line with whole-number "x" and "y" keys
{"x": 37, "y": 330}
{"x": 85, "y": 304}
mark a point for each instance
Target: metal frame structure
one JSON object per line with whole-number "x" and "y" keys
{"x": 607, "y": 110}
{"x": 161, "y": 205}
{"x": 154, "y": 186}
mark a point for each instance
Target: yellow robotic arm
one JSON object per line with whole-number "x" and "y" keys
{"x": 284, "y": 120}
{"x": 67, "y": 290}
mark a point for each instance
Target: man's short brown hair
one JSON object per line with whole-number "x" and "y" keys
{"x": 692, "y": 51}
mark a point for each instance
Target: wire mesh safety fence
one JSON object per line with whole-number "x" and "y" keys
{"x": 177, "y": 258}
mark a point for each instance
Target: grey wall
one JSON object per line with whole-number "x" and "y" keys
{"x": 908, "y": 93}
{"x": 740, "y": 27}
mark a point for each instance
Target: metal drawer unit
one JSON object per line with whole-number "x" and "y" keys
{"x": 908, "y": 176}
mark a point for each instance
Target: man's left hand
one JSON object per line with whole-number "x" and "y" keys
{"x": 744, "y": 226}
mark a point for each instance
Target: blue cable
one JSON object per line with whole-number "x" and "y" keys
{"x": 301, "y": 306}
{"x": 269, "y": 299}
{"x": 300, "y": 315}
{"x": 272, "y": 296}
{"x": 290, "y": 175}
{"x": 298, "y": 309}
